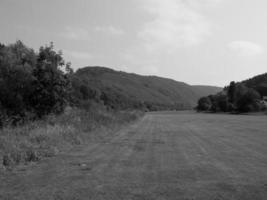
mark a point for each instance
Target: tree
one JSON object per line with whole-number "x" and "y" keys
{"x": 16, "y": 65}
{"x": 32, "y": 84}
{"x": 231, "y": 92}
{"x": 248, "y": 101}
{"x": 222, "y": 102}
{"x": 51, "y": 85}
{"x": 204, "y": 104}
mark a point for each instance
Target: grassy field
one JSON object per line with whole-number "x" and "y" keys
{"x": 54, "y": 134}
{"x": 171, "y": 155}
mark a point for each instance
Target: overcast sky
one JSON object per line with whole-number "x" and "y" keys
{"x": 207, "y": 42}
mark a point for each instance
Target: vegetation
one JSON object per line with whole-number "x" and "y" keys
{"x": 258, "y": 83}
{"x": 46, "y": 107}
{"x": 36, "y": 84}
{"x": 120, "y": 90}
{"x": 31, "y": 84}
{"x": 237, "y": 97}
{"x": 47, "y": 137}
{"x": 35, "y": 87}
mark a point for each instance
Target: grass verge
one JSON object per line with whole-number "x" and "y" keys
{"x": 45, "y": 138}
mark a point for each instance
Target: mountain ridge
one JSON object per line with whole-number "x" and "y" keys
{"x": 152, "y": 91}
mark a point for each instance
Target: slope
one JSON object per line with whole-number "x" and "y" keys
{"x": 259, "y": 83}
{"x": 152, "y": 92}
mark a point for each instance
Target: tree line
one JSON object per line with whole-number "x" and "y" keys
{"x": 237, "y": 97}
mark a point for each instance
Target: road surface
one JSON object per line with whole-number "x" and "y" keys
{"x": 172, "y": 155}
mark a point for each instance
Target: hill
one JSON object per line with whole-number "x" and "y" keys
{"x": 238, "y": 97}
{"x": 206, "y": 90}
{"x": 117, "y": 88}
{"x": 258, "y": 83}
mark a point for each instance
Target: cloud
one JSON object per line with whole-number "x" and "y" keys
{"x": 81, "y": 55}
{"x": 142, "y": 63}
{"x": 246, "y": 48}
{"x": 175, "y": 23}
{"x": 206, "y": 3}
{"x": 72, "y": 33}
{"x": 110, "y": 30}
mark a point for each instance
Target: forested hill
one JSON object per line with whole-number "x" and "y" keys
{"x": 259, "y": 83}
{"x": 206, "y": 90}
{"x": 244, "y": 96}
{"x": 123, "y": 90}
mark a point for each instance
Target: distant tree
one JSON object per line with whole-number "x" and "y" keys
{"x": 222, "y": 102}
{"x": 240, "y": 91}
{"x": 258, "y": 83}
{"x": 231, "y": 92}
{"x": 248, "y": 101}
{"x": 204, "y": 104}
{"x": 236, "y": 97}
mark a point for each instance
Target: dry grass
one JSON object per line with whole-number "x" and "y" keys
{"x": 45, "y": 138}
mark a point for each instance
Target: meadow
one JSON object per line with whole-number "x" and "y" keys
{"x": 56, "y": 133}
{"x": 164, "y": 155}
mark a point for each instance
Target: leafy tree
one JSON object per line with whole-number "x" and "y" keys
{"x": 222, "y": 102}
{"x": 235, "y": 97}
{"x": 16, "y": 65}
{"x": 231, "y": 92}
{"x": 51, "y": 85}
{"x": 204, "y": 104}
{"x": 248, "y": 101}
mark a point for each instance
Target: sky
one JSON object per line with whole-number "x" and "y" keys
{"x": 203, "y": 42}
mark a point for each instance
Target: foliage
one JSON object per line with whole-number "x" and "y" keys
{"x": 243, "y": 96}
{"x": 17, "y": 63}
{"x": 231, "y": 92}
{"x": 51, "y": 85}
{"x": 258, "y": 83}
{"x": 204, "y": 104}
{"x": 31, "y": 84}
{"x": 120, "y": 90}
{"x": 248, "y": 101}
{"x": 235, "y": 98}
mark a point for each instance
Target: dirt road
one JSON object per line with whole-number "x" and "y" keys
{"x": 180, "y": 155}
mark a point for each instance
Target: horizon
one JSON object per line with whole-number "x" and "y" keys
{"x": 208, "y": 43}
{"x": 148, "y": 75}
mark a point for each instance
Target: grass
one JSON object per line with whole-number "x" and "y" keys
{"x": 166, "y": 155}
{"x": 48, "y": 137}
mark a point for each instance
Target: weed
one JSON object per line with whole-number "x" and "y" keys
{"x": 47, "y": 137}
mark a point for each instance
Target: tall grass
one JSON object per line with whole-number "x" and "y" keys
{"x": 45, "y": 138}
